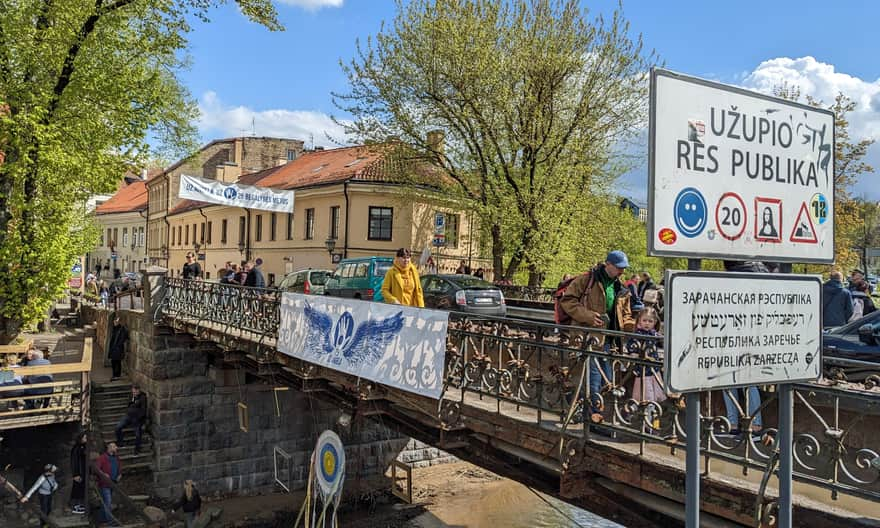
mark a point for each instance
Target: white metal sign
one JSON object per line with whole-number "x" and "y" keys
{"x": 738, "y": 329}
{"x": 737, "y": 174}
{"x": 233, "y": 194}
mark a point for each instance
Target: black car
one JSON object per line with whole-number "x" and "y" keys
{"x": 463, "y": 293}
{"x": 853, "y": 349}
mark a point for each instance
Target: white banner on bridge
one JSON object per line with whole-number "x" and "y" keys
{"x": 739, "y": 329}
{"x": 395, "y": 345}
{"x": 235, "y": 195}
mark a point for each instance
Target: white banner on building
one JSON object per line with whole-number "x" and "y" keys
{"x": 395, "y": 345}
{"x": 235, "y": 195}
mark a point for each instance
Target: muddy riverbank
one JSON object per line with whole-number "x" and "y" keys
{"x": 446, "y": 496}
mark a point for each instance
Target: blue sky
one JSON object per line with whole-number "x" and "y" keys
{"x": 248, "y": 79}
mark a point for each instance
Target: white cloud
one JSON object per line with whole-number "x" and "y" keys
{"x": 821, "y": 81}
{"x": 218, "y": 120}
{"x": 312, "y": 5}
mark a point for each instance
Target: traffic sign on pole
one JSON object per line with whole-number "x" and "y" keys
{"x": 747, "y": 329}
{"x": 718, "y": 148}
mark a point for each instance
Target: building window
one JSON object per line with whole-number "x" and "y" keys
{"x": 334, "y": 222}
{"x": 202, "y": 237}
{"x": 289, "y": 226}
{"x": 291, "y": 154}
{"x": 109, "y": 237}
{"x": 101, "y": 243}
{"x": 273, "y": 225}
{"x": 186, "y": 236}
{"x": 258, "y": 230}
{"x": 380, "y": 223}
{"x": 310, "y": 224}
{"x": 242, "y": 227}
{"x": 179, "y": 235}
{"x": 115, "y": 237}
{"x": 223, "y": 225}
{"x": 141, "y": 240}
{"x": 195, "y": 230}
{"x": 452, "y": 230}
{"x": 210, "y": 228}
{"x": 125, "y": 237}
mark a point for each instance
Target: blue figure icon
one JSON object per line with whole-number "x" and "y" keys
{"x": 690, "y": 212}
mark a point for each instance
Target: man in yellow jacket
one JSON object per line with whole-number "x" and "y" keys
{"x": 402, "y": 284}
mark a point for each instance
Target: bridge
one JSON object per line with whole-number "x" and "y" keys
{"x": 509, "y": 403}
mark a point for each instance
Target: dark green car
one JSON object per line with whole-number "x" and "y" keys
{"x": 358, "y": 278}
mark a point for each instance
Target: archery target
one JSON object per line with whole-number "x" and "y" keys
{"x": 329, "y": 463}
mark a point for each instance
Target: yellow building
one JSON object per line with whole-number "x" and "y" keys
{"x": 344, "y": 198}
{"x": 122, "y": 220}
{"x": 224, "y": 160}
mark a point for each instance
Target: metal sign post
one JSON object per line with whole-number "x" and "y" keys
{"x": 692, "y": 452}
{"x": 786, "y": 441}
{"x": 692, "y": 461}
{"x": 747, "y": 329}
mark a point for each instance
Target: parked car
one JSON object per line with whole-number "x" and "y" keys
{"x": 309, "y": 281}
{"x": 358, "y": 278}
{"x": 853, "y": 349}
{"x": 463, "y": 293}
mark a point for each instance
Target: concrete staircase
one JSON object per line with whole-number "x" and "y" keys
{"x": 109, "y": 403}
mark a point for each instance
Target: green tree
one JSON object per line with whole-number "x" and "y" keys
{"x": 82, "y": 83}
{"x": 531, "y": 98}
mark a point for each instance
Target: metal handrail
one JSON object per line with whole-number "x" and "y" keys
{"x": 537, "y": 366}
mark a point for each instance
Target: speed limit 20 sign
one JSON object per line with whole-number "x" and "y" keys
{"x": 730, "y": 216}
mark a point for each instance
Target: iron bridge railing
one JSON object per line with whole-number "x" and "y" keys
{"x": 550, "y": 369}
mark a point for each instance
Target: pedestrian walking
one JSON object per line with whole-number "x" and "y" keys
{"x": 837, "y": 304}
{"x": 255, "y": 275}
{"x": 78, "y": 461}
{"x": 402, "y": 284}
{"x": 116, "y": 350}
{"x": 190, "y": 503}
{"x": 45, "y": 486}
{"x": 192, "y": 269}
{"x": 597, "y": 299}
{"x": 108, "y": 471}
{"x": 134, "y": 417}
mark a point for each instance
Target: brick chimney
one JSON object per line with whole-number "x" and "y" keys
{"x": 435, "y": 141}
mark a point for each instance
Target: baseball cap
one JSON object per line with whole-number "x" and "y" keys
{"x": 618, "y": 258}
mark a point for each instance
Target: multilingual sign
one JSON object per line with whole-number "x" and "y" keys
{"x": 738, "y": 175}
{"x": 738, "y": 329}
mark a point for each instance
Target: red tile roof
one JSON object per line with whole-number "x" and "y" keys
{"x": 328, "y": 166}
{"x": 132, "y": 197}
{"x": 321, "y": 167}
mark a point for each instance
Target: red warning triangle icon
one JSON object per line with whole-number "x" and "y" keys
{"x": 804, "y": 231}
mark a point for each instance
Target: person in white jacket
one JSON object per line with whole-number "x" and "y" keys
{"x": 45, "y": 486}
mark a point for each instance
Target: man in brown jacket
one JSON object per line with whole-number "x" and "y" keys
{"x": 597, "y": 299}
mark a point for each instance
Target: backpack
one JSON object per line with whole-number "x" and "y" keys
{"x": 560, "y": 316}
{"x": 858, "y": 309}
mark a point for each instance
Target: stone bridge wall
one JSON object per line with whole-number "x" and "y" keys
{"x": 193, "y": 408}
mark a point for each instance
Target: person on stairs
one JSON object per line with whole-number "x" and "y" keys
{"x": 134, "y": 417}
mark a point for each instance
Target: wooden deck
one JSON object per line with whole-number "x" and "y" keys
{"x": 68, "y": 400}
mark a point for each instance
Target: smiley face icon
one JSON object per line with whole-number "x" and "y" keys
{"x": 690, "y": 212}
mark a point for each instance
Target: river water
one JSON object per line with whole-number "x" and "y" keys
{"x": 503, "y": 503}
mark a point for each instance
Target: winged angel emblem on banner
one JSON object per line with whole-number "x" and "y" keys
{"x": 357, "y": 346}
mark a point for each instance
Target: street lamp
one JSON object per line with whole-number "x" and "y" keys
{"x": 331, "y": 245}
{"x": 241, "y": 247}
